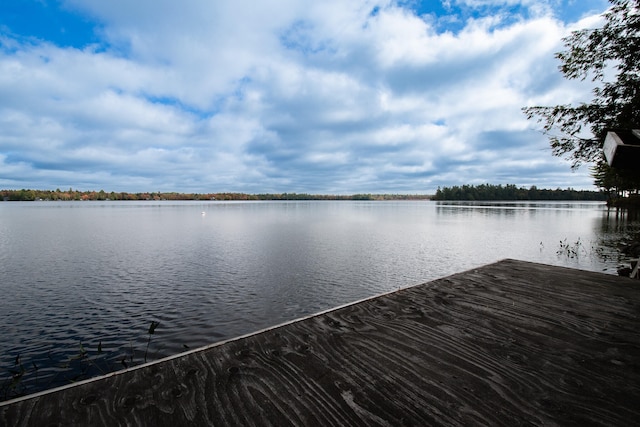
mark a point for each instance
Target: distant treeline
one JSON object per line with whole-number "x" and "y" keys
{"x": 32, "y": 195}
{"x": 511, "y": 192}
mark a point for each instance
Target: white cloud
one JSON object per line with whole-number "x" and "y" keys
{"x": 281, "y": 96}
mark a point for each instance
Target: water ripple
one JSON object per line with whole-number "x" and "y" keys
{"x": 82, "y": 282}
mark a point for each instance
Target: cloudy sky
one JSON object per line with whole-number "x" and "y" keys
{"x": 331, "y": 96}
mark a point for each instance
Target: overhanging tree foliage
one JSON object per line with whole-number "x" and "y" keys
{"x": 610, "y": 56}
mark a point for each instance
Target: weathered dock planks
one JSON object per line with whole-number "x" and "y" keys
{"x": 511, "y": 343}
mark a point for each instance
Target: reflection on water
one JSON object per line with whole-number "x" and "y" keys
{"x": 617, "y": 220}
{"x": 619, "y": 232}
{"x": 81, "y": 276}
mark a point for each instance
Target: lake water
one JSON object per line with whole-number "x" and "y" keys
{"x": 81, "y": 282}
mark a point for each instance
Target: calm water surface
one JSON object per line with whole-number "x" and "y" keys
{"x": 76, "y": 276}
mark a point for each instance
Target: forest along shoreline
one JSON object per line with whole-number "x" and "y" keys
{"x": 484, "y": 192}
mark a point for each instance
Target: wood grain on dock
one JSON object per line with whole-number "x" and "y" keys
{"x": 511, "y": 343}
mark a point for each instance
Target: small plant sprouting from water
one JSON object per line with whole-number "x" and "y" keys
{"x": 578, "y": 249}
{"x": 15, "y": 382}
{"x": 571, "y": 250}
{"x": 20, "y": 380}
{"x": 15, "y": 386}
{"x": 152, "y": 330}
{"x": 86, "y": 363}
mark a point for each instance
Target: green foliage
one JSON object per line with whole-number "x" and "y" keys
{"x": 610, "y": 56}
{"x": 22, "y": 195}
{"x": 511, "y": 192}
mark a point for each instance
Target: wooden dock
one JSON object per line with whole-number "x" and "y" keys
{"x": 511, "y": 343}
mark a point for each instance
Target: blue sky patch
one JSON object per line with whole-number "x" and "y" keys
{"x": 47, "y": 21}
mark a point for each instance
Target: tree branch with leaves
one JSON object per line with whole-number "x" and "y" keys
{"x": 610, "y": 57}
